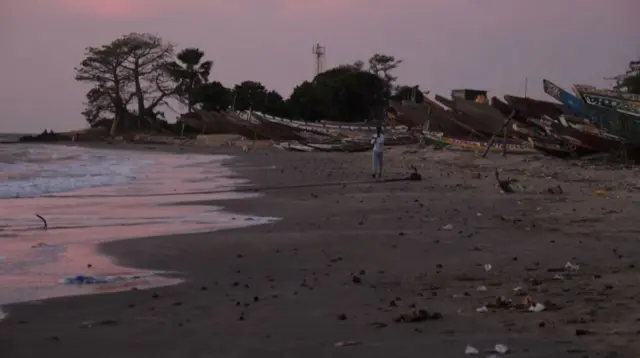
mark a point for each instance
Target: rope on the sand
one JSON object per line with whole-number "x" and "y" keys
{"x": 247, "y": 190}
{"x": 44, "y": 221}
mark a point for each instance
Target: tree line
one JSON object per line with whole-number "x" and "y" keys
{"x": 134, "y": 77}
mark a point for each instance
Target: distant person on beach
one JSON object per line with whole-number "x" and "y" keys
{"x": 378, "y": 152}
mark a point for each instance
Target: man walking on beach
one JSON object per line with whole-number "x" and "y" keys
{"x": 378, "y": 150}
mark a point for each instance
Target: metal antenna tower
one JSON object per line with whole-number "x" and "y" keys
{"x": 319, "y": 53}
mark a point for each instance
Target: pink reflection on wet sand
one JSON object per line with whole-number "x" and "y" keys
{"x": 33, "y": 260}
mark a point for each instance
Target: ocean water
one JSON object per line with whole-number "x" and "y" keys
{"x": 89, "y": 196}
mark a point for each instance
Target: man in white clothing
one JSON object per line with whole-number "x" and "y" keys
{"x": 378, "y": 152}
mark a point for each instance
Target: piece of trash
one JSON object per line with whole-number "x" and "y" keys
{"x": 447, "y": 227}
{"x": 501, "y": 348}
{"x": 482, "y": 309}
{"x": 478, "y": 214}
{"x": 600, "y": 192}
{"x": 487, "y": 267}
{"x": 538, "y": 307}
{"x": 93, "y": 280}
{"x": 517, "y": 289}
{"x": 347, "y": 343}
{"x": 417, "y": 316}
{"x": 571, "y": 267}
{"x": 40, "y": 244}
{"x": 558, "y": 277}
{"x": 471, "y": 351}
{"x": 482, "y": 288}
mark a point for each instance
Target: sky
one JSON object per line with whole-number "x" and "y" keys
{"x": 444, "y": 44}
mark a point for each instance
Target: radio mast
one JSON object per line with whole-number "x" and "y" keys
{"x": 319, "y": 53}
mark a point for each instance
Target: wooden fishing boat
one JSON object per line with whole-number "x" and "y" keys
{"x": 448, "y": 122}
{"x": 437, "y": 139}
{"x": 294, "y": 146}
{"x": 612, "y": 121}
{"x": 627, "y": 103}
{"x": 479, "y": 116}
{"x": 532, "y": 108}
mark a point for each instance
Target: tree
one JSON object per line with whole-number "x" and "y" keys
{"x": 309, "y": 101}
{"x": 190, "y": 72}
{"x": 408, "y": 93}
{"x": 344, "y": 93}
{"x": 103, "y": 67}
{"x": 275, "y": 105}
{"x": 382, "y": 65}
{"x": 148, "y": 61}
{"x": 249, "y": 94}
{"x": 134, "y": 66}
{"x": 212, "y": 96}
{"x": 630, "y": 80}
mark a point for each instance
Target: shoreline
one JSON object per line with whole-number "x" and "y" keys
{"x": 83, "y": 258}
{"x": 289, "y": 287}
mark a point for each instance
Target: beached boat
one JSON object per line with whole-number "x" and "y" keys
{"x": 448, "y": 122}
{"x": 612, "y": 121}
{"x": 627, "y": 103}
{"x": 479, "y": 116}
{"x": 438, "y": 140}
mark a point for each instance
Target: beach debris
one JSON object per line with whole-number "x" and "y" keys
{"x": 583, "y": 332}
{"x": 482, "y": 288}
{"x": 44, "y": 221}
{"x": 600, "y": 192}
{"x": 92, "y": 280}
{"x": 482, "y": 309}
{"x": 571, "y": 267}
{"x": 532, "y": 305}
{"x": 487, "y": 267}
{"x": 505, "y": 185}
{"x": 471, "y": 351}
{"x": 417, "y": 315}
{"x": 558, "y": 277}
{"x": 347, "y": 343}
{"x": 40, "y": 244}
{"x": 415, "y": 176}
{"x": 501, "y": 348}
{"x": 106, "y": 322}
{"x": 555, "y": 190}
{"x": 379, "y": 324}
{"x": 447, "y": 227}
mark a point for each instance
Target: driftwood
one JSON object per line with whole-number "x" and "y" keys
{"x": 503, "y": 130}
{"x": 505, "y": 185}
{"x": 44, "y": 221}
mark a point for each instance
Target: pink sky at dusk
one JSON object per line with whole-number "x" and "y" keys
{"x": 445, "y": 44}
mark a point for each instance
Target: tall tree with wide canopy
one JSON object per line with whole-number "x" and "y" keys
{"x": 134, "y": 66}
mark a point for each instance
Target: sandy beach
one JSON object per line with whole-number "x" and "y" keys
{"x": 354, "y": 262}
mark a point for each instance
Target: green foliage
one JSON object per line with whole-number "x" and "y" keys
{"x": 345, "y": 93}
{"x": 131, "y": 67}
{"x": 134, "y": 75}
{"x": 190, "y": 73}
{"x": 212, "y": 96}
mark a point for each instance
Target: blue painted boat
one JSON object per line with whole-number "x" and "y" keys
{"x": 610, "y": 120}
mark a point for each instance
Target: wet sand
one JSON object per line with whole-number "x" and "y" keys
{"x": 348, "y": 259}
